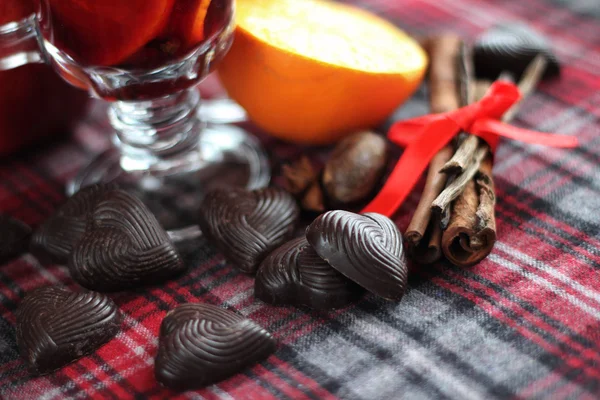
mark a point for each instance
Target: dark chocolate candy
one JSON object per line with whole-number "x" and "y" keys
{"x": 122, "y": 246}
{"x": 247, "y": 225}
{"x": 295, "y": 274}
{"x": 366, "y": 248}
{"x": 201, "y": 344}
{"x": 56, "y": 326}
{"x": 14, "y": 238}
{"x": 55, "y": 239}
{"x": 511, "y": 47}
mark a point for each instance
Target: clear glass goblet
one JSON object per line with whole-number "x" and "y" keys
{"x": 145, "y": 57}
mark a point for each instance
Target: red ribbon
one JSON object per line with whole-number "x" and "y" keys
{"x": 423, "y": 137}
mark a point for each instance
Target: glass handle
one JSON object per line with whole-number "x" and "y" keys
{"x": 19, "y": 44}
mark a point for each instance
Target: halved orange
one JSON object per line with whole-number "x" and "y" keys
{"x": 311, "y": 71}
{"x": 106, "y": 32}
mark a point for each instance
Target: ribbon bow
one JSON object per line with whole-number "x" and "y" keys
{"x": 425, "y": 136}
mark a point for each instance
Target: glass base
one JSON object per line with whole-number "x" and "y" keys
{"x": 173, "y": 189}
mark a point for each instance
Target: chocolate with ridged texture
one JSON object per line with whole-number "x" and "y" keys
{"x": 122, "y": 246}
{"x": 14, "y": 238}
{"x": 247, "y": 225}
{"x": 511, "y": 47}
{"x": 295, "y": 274}
{"x": 366, "y": 248}
{"x": 201, "y": 344}
{"x": 56, "y": 326}
{"x": 54, "y": 240}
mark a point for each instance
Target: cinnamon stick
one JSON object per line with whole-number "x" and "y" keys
{"x": 529, "y": 80}
{"x": 466, "y": 144}
{"x": 485, "y": 216}
{"x": 443, "y": 73}
{"x": 472, "y": 146}
{"x": 424, "y": 233}
{"x": 471, "y": 232}
{"x": 455, "y": 189}
{"x": 464, "y": 154}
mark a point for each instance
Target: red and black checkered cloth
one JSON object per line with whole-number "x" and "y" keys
{"x": 523, "y": 323}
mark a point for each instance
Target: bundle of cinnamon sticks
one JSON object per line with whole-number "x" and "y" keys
{"x": 455, "y": 216}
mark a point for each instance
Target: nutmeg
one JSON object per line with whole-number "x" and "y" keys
{"x": 354, "y": 168}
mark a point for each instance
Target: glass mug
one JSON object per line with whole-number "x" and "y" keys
{"x": 145, "y": 58}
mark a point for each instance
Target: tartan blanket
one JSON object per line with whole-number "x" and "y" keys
{"x": 524, "y": 323}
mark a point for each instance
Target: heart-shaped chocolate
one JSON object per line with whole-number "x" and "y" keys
{"x": 55, "y": 239}
{"x": 295, "y": 274}
{"x": 247, "y": 225}
{"x": 56, "y": 326}
{"x": 122, "y": 246}
{"x": 14, "y": 238}
{"x": 366, "y": 248}
{"x": 511, "y": 47}
{"x": 202, "y": 344}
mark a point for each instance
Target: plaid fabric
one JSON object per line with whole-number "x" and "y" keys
{"x": 523, "y": 323}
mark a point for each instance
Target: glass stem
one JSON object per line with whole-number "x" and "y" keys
{"x": 158, "y": 133}
{"x": 19, "y": 44}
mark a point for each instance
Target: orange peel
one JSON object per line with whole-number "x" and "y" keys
{"x": 312, "y": 71}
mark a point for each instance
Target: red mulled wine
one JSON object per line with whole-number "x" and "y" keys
{"x": 133, "y": 35}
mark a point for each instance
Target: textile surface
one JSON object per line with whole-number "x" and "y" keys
{"x": 523, "y": 323}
